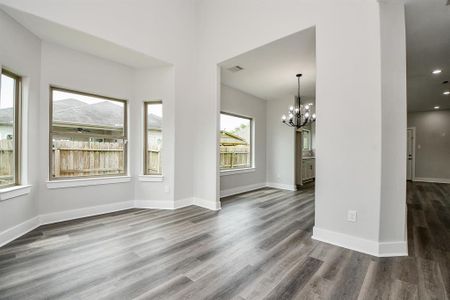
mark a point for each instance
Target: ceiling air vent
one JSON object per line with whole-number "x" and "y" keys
{"x": 235, "y": 69}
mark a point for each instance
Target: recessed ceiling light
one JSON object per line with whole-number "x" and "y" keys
{"x": 437, "y": 71}
{"x": 436, "y": 107}
{"x": 447, "y": 93}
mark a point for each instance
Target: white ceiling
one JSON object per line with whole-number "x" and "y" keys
{"x": 269, "y": 71}
{"x": 428, "y": 48}
{"x": 74, "y": 39}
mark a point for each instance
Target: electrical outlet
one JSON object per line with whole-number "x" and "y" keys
{"x": 351, "y": 216}
{"x": 166, "y": 188}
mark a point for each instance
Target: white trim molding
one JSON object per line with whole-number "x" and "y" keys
{"x": 66, "y": 215}
{"x": 391, "y": 249}
{"x": 212, "y": 205}
{"x": 241, "y": 189}
{"x": 180, "y": 203}
{"x": 14, "y": 191}
{"x": 282, "y": 186}
{"x": 163, "y": 204}
{"x": 151, "y": 178}
{"x": 13, "y": 233}
{"x": 17, "y": 231}
{"x": 68, "y": 183}
{"x": 375, "y": 248}
{"x": 432, "y": 180}
{"x": 154, "y": 204}
{"x": 237, "y": 171}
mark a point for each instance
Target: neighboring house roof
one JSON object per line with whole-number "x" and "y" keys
{"x": 229, "y": 139}
{"x": 6, "y": 115}
{"x": 154, "y": 122}
{"x": 75, "y": 111}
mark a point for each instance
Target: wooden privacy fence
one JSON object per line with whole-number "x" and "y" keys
{"x": 232, "y": 157}
{"x": 153, "y": 161}
{"x": 6, "y": 161}
{"x": 85, "y": 158}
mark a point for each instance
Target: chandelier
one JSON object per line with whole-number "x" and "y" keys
{"x": 300, "y": 115}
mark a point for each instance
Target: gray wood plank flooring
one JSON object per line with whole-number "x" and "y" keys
{"x": 258, "y": 246}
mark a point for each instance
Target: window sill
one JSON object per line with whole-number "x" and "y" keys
{"x": 14, "y": 191}
{"x": 237, "y": 171}
{"x": 68, "y": 183}
{"x": 151, "y": 178}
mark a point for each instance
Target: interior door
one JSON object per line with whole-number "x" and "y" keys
{"x": 410, "y": 155}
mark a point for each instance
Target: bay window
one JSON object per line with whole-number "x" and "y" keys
{"x": 88, "y": 135}
{"x": 10, "y": 101}
{"x": 152, "y": 137}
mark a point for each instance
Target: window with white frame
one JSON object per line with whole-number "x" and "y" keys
{"x": 88, "y": 135}
{"x": 153, "y": 137}
{"x": 236, "y": 151}
{"x": 10, "y": 129}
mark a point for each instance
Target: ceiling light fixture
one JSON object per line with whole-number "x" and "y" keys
{"x": 300, "y": 115}
{"x": 438, "y": 71}
{"x": 436, "y": 107}
{"x": 446, "y": 93}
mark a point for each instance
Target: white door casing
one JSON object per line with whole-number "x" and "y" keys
{"x": 410, "y": 155}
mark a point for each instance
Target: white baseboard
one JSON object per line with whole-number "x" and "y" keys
{"x": 84, "y": 212}
{"x": 385, "y": 249}
{"x": 432, "y": 180}
{"x": 154, "y": 204}
{"x": 163, "y": 204}
{"x": 241, "y": 189}
{"x": 213, "y": 205}
{"x": 390, "y": 249}
{"x": 180, "y": 203}
{"x": 282, "y": 186}
{"x": 17, "y": 231}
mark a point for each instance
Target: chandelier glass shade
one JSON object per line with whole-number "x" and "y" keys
{"x": 299, "y": 115}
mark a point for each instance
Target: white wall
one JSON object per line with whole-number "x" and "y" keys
{"x": 20, "y": 52}
{"x": 43, "y": 64}
{"x": 280, "y": 145}
{"x": 70, "y": 69}
{"x": 432, "y": 144}
{"x": 154, "y": 84}
{"x": 348, "y": 76}
{"x": 349, "y": 150}
{"x": 197, "y": 35}
{"x": 240, "y": 103}
{"x": 393, "y": 105}
{"x": 158, "y": 28}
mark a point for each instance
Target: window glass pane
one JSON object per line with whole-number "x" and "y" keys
{"x": 88, "y": 136}
{"x": 7, "y": 131}
{"x": 306, "y": 140}
{"x": 74, "y": 112}
{"x": 154, "y": 139}
{"x": 87, "y": 156}
{"x": 235, "y": 142}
